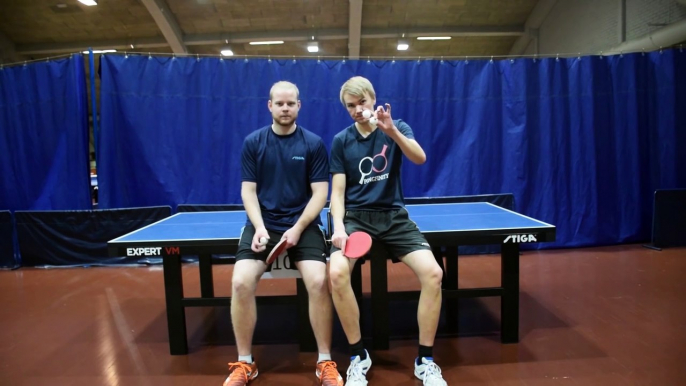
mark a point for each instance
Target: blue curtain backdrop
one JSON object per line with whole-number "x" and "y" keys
{"x": 44, "y": 136}
{"x": 581, "y": 142}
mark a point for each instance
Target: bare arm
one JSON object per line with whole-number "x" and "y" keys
{"x": 311, "y": 212}
{"x": 252, "y": 208}
{"x": 315, "y": 205}
{"x": 339, "y": 236}
{"x": 409, "y": 147}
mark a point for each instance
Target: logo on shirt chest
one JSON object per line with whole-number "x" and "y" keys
{"x": 298, "y": 158}
{"x": 377, "y": 164}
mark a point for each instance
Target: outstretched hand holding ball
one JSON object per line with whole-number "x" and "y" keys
{"x": 372, "y": 119}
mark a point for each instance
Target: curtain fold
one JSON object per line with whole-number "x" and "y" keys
{"x": 44, "y": 162}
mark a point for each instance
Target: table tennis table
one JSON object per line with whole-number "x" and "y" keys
{"x": 203, "y": 234}
{"x": 446, "y": 226}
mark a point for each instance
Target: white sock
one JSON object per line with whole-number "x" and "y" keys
{"x": 245, "y": 358}
{"x": 324, "y": 357}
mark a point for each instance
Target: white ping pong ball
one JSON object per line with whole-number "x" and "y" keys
{"x": 367, "y": 114}
{"x": 263, "y": 240}
{"x": 373, "y": 121}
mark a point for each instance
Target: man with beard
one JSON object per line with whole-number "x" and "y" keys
{"x": 285, "y": 183}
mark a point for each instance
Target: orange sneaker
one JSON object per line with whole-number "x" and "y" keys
{"x": 241, "y": 373}
{"x": 328, "y": 375}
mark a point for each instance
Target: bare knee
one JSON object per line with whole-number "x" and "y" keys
{"x": 318, "y": 284}
{"x": 433, "y": 277}
{"x": 340, "y": 277}
{"x": 242, "y": 286}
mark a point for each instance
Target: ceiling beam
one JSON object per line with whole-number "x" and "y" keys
{"x": 292, "y": 36}
{"x": 118, "y": 44}
{"x": 166, "y": 22}
{"x": 354, "y": 29}
{"x": 339, "y": 34}
{"x": 466, "y": 31}
{"x": 246, "y": 37}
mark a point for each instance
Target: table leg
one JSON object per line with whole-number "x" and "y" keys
{"x": 450, "y": 274}
{"x": 356, "y": 283}
{"x": 509, "y": 304}
{"x": 176, "y": 314}
{"x": 450, "y": 284}
{"x": 380, "y": 319}
{"x": 206, "y": 278}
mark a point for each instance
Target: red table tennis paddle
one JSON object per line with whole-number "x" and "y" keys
{"x": 278, "y": 250}
{"x": 357, "y": 245}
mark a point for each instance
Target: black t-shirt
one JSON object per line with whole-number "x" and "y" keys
{"x": 371, "y": 166}
{"x": 284, "y": 166}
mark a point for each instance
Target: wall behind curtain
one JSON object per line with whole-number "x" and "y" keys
{"x": 581, "y": 142}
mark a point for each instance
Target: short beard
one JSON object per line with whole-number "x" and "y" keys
{"x": 289, "y": 124}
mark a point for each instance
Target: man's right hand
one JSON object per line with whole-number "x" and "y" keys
{"x": 339, "y": 238}
{"x": 256, "y": 245}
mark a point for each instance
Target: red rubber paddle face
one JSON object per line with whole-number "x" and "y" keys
{"x": 358, "y": 244}
{"x": 278, "y": 250}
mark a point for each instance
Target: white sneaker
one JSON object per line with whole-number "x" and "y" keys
{"x": 429, "y": 373}
{"x": 357, "y": 372}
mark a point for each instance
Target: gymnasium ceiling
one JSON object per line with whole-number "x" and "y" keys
{"x": 342, "y": 28}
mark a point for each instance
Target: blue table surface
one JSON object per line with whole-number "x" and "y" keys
{"x": 458, "y": 217}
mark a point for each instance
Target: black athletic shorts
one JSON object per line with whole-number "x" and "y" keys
{"x": 392, "y": 227}
{"x": 311, "y": 246}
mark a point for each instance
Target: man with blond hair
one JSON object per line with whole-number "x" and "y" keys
{"x": 366, "y": 195}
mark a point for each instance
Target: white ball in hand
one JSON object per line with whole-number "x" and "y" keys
{"x": 263, "y": 241}
{"x": 373, "y": 121}
{"x": 367, "y": 114}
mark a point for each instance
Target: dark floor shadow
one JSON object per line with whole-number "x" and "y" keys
{"x": 464, "y": 317}
{"x": 534, "y": 316}
{"x": 479, "y": 318}
{"x": 460, "y": 318}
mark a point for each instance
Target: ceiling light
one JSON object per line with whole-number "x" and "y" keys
{"x": 312, "y": 47}
{"x": 100, "y": 51}
{"x": 227, "y": 51}
{"x": 403, "y": 45}
{"x": 433, "y": 37}
{"x": 266, "y": 42}
{"x": 89, "y": 3}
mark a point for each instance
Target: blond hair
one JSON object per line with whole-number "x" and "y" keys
{"x": 284, "y": 85}
{"x": 357, "y": 86}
